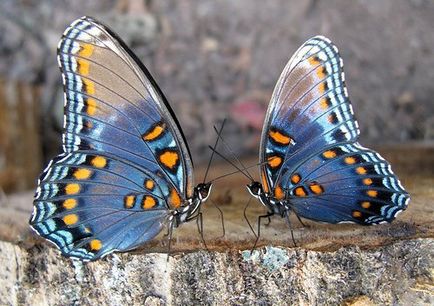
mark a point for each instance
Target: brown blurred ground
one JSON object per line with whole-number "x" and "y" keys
{"x": 217, "y": 59}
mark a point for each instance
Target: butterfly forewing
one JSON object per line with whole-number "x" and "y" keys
{"x": 309, "y": 144}
{"x": 113, "y": 105}
{"x": 309, "y": 109}
{"x": 125, "y": 164}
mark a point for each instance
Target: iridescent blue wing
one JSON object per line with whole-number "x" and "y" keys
{"x": 90, "y": 203}
{"x": 309, "y": 114}
{"x": 112, "y": 104}
{"x": 345, "y": 183}
{"x": 126, "y": 163}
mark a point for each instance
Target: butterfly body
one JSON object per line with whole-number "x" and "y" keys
{"x": 311, "y": 162}
{"x": 126, "y": 171}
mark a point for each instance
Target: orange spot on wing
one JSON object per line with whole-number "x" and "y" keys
{"x": 149, "y": 184}
{"x": 154, "y": 133}
{"x": 295, "y": 178}
{"x": 90, "y": 106}
{"x": 324, "y": 103}
{"x": 72, "y": 188}
{"x": 70, "y": 219}
{"x": 88, "y": 124}
{"x": 372, "y": 193}
{"x": 357, "y": 214}
{"x": 350, "y": 160}
{"x": 322, "y": 87}
{"x": 99, "y": 162}
{"x": 279, "y": 137}
{"x": 365, "y": 205}
{"x": 89, "y": 86}
{"x": 69, "y": 203}
{"x": 169, "y": 159}
{"x": 314, "y": 61}
{"x": 274, "y": 161}
{"x": 329, "y": 154}
{"x": 278, "y": 193}
{"x": 300, "y": 192}
{"x": 95, "y": 245}
{"x": 361, "y": 170}
{"x": 82, "y": 174}
{"x": 129, "y": 201}
{"x": 367, "y": 181}
{"x": 174, "y": 199}
{"x": 148, "y": 202}
{"x": 316, "y": 188}
{"x": 83, "y": 66}
{"x": 86, "y": 50}
{"x": 320, "y": 72}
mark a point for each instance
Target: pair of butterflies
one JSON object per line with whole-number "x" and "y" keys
{"x": 126, "y": 171}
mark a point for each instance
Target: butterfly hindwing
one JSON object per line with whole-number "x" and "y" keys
{"x": 85, "y": 196}
{"x": 345, "y": 183}
{"x": 125, "y": 164}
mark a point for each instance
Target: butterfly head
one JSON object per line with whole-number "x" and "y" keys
{"x": 255, "y": 189}
{"x": 202, "y": 191}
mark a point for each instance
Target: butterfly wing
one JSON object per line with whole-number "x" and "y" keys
{"x": 90, "y": 203}
{"x": 310, "y": 114}
{"x": 125, "y": 161}
{"x": 345, "y": 183}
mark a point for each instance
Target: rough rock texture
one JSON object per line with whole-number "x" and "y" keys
{"x": 400, "y": 274}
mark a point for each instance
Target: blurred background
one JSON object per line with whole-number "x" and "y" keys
{"x": 218, "y": 59}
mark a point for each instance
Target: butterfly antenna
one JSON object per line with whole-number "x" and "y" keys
{"x": 227, "y": 147}
{"x": 235, "y": 172}
{"x": 213, "y": 151}
{"x": 230, "y": 162}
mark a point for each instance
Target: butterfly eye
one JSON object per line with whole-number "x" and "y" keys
{"x": 203, "y": 194}
{"x": 255, "y": 188}
{"x": 203, "y": 191}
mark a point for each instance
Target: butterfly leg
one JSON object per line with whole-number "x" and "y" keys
{"x": 170, "y": 232}
{"x": 269, "y": 221}
{"x": 299, "y": 220}
{"x": 221, "y": 218}
{"x": 290, "y": 228}
{"x": 259, "y": 229}
{"x": 199, "y": 222}
{"x": 167, "y": 233}
{"x": 247, "y": 219}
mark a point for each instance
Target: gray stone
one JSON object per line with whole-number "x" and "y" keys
{"x": 397, "y": 274}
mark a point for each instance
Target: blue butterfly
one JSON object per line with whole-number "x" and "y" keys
{"x": 311, "y": 161}
{"x": 126, "y": 171}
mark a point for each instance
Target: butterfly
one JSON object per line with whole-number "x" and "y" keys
{"x": 126, "y": 170}
{"x": 310, "y": 160}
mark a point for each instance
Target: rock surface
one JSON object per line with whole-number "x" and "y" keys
{"x": 400, "y": 274}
